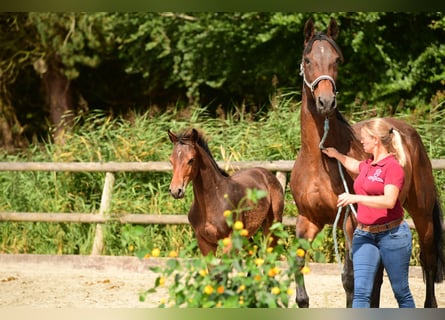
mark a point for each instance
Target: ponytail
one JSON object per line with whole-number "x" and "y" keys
{"x": 397, "y": 145}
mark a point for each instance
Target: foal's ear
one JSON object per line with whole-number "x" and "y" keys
{"x": 309, "y": 30}
{"x": 172, "y": 136}
{"x": 332, "y": 29}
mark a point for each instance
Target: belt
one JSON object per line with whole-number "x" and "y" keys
{"x": 376, "y": 228}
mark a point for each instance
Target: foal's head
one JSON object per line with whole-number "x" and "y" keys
{"x": 186, "y": 159}
{"x": 183, "y": 160}
{"x": 321, "y": 56}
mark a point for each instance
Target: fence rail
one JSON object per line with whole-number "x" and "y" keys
{"x": 160, "y": 166}
{"x": 281, "y": 167}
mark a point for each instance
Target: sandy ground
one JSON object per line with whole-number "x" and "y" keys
{"x": 41, "y": 281}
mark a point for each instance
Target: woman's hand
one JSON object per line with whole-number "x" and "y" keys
{"x": 345, "y": 199}
{"x": 331, "y": 152}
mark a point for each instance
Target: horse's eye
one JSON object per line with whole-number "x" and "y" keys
{"x": 307, "y": 61}
{"x": 190, "y": 161}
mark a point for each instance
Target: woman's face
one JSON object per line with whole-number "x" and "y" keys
{"x": 368, "y": 142}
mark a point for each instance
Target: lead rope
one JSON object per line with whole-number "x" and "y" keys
{"x": 350, "y": 207}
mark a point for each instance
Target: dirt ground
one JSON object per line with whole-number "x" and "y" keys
{"x": 42, "y": 281}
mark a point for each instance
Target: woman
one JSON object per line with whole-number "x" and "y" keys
{"x": 381, "y": 234}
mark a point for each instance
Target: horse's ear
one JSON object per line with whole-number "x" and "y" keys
{"x": 172, "y": 136}
{"x": 332, "y": 29}
{"x": 194, "y": 135}
{"x": 309, "y": 30}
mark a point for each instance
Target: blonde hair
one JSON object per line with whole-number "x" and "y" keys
{"x": 390, "y": 137}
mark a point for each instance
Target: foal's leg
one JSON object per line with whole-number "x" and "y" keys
{"x": 204, "y": 246}
{"x": 274, "y": 214}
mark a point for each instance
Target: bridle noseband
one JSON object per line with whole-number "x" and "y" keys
{"x": 317, "y": 80}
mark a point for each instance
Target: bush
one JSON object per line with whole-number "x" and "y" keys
{"x": 249, "y": 273}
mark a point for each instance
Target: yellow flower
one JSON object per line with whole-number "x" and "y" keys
{"x": 155, "y": 252}
{"x": 241, "y": 288}
{"x": 208, "y": 289}
{"x": 290, "y": 291}
{"x": 259, "y": 262}
{"x": 257, "y": 277}
{"x": 131, "y": 248}
{"x": 161, "y": 281}
{"x": 269, "y": 249}
{"x": 173, "y": 254}
{"x": 227, "y": 213}
{"x": 305, "y": 270}
{"x": 203, "y": 272}
{"x": 273, "y": 272}
{"x": 238, "y": 225}
{"x": 147, "y": 255}
{"x": 275, "y": 290}
{"x": 300, "y": 253}
{"x": 220, "y": 290}
{"x": 227, "y": 241}
{"x": 244, "y": 232}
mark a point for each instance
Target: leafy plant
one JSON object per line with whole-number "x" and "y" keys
{"x": 247, "y": 273}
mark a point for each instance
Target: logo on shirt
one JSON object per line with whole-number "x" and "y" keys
{"x": 376, "y": 176}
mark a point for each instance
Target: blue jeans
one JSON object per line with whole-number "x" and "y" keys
{"x": 393, "y": 249}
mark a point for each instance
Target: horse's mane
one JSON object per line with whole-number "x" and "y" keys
{"x": 322, "y": 36}
{"x": 186, "y": 137}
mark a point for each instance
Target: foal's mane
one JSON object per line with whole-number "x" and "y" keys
{"x": 186, "y": 137}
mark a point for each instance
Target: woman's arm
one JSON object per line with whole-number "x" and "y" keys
{"x": 387, "y": 200}
{"x": 349, "y": 163}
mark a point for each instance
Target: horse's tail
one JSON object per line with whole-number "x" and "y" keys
{"x": 439, "y": 241}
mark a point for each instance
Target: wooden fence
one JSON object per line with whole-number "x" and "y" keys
{"x": 281, "y": 167}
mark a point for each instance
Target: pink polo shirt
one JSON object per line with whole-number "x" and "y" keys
{"x": 371, "y": 181}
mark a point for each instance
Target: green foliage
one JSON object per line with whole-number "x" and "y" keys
{"x": 247, "y": 274}
{"x": 125, "y": 61}
{"x": 71, "y": 39}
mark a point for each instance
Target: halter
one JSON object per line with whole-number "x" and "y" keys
{"x": 317, "y": 80}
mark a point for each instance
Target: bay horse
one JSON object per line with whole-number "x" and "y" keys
{"x": 316, "y": 181}
{"x": 215, "y": 191}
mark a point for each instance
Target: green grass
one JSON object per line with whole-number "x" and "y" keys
{"x": 268, "y": 135}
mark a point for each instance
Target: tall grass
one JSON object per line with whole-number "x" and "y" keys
{"x": 272, "y": 134}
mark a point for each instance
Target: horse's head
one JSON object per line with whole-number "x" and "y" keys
{"x": 184, "y": 161}
{"x": 321, "y": 56}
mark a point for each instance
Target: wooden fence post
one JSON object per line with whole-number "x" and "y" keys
{"x": 98, "y": 244}
{"x": 281, "y": 176}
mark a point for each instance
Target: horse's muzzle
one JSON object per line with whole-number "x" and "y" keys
{"x": 326, "y": 105}
{"x": 177, "y": 193}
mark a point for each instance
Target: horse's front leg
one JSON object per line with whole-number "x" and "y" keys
{"x": 301, "y": 298}
{"x": 347, "y": 279}
{"x": 307, "y": 230}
